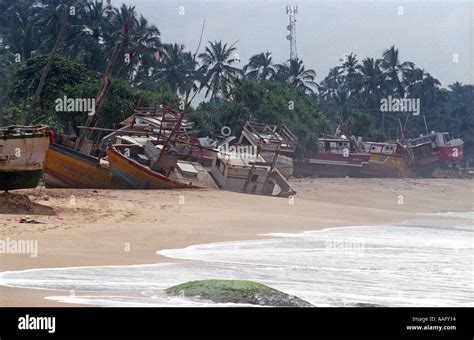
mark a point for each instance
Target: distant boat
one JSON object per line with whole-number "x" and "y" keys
{"x": 450, "y": 150}
{"x": 136, "y": 167}
{"x": 22, "y": 156}
{"x": 387, "y": 160}
{"x": 425, "y": 159}
{"x": 335, "y": 157}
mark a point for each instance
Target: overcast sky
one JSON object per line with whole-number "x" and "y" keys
{"x": 431, "y": 34}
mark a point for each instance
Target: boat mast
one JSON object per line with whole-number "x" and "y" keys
{"x": 104, "y": 86}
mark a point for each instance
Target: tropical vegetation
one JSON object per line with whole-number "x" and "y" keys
{"x": 347, "y": 100}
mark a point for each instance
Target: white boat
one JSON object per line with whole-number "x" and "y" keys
{"x": 22, "y": 156}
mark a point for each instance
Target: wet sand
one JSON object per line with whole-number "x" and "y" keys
{"x": 114, "y": 227}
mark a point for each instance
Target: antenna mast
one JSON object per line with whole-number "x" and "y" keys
{"x": 291, "y": 11}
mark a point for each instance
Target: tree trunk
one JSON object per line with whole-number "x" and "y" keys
{"x": 47, "y": 68}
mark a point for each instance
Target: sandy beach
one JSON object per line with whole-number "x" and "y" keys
{"x": 116, "y": 227}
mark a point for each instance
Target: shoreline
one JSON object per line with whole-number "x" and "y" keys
{"x": 97, "y": 229}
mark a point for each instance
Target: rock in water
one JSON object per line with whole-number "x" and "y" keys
{"x": 236, "y": 291}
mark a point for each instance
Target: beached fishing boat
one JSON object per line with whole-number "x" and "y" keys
{"x": 335, "y": 157}
{"x": 156, "y": 123}
{"x": 136, "y": 167}
{"x": 68, "y": 168}
{"x": 271, "y": 140}
{"x": 387, "y": 160}
{"x": 250, "y": 174}
{"x": 22, "y": 155}
{"x": 450, "y": 150}
{"x": 425, "y": 159}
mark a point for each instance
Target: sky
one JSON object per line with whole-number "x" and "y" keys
{"x": 437, "y": 36}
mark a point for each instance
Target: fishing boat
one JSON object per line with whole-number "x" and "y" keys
{"x": 335, "y": 157}
{"x": 69, "y": 168}
{"x": 425, "y": 159}
{"x": 156, "y": 123}
{"x": 22, "y": 155}
{"x": 450, "y": 150}
{"x": 271, "y": 140}
{"x": 251, "y": 174}
{"x": 387, "y": 160}
{"x": 136, "y": 167}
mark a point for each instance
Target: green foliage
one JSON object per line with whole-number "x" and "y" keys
{"x": 73, "y": 80}
{"x": 264, "y": 101}
{"x": 64, "y": 75}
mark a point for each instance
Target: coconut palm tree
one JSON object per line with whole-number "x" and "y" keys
{"x": 370, "y": 82}
{"x": 395, "y": 71}
{"x": 21, "y": 33}
{"x": 294, "y": 72}
{"x": 348, "y": 70}
{"x": 88, "y": 44}
{"x": 260, "y": 66}
{"x": 217, "y": 69}
{"x": 335, "y": 96}
{"x": 144, "y": 41}
{"x": 177, "y": 66}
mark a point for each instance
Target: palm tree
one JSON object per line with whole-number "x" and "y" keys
{"x": 294, "y": 73}
{"x": 144, "y": 42}
{"x": 395, "y": 71}
{"x": 217, "y": 69}
{"x": 88, "y": 44}
{"x": 333, "y": 92}
{"x": 177, "y": 67}
{"x": 348, "y": 70}
{"x": 260, "y": 66}
{"x": 370, "y": 82}
{"x": 20, "y": 29}
{"x": 49, "y": 21}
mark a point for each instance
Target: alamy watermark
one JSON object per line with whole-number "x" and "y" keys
{"x": 227, "y": 152}
{"x": 9, "y": 246}
{"x": 66, "y": 104}
{"x": 344, "y": 246}
{"x": 391, "y": 104}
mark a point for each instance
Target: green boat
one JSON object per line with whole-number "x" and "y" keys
{"x": 22, "y": 156}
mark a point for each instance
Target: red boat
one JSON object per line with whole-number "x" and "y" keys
{"x": 450, "y": 150}
{"x": 335, "y": 157}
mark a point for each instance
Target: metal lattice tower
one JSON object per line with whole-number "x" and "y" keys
{"x": 291, "y": 11}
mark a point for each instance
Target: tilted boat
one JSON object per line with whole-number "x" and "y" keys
{"x": 271, "y": 140}
{"x": 450, "y": 150}
{"x": 136, "y": 167}
{"x": 69, "y": 168}
{"x": 425, "y": 159}
{"x": 249, "y": 174}
{"x": 22, "y": 155}
{"x": 335, "y": 157}
{"x": 387, "y": 160}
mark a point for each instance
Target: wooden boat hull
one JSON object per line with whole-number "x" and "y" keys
{"x": 333, "y": 165}
{"x": 394, "y": 166}
{"x": 14, "y": 180}
{"x": 22, "y": 156}
{"x": 131, "y": 174}
{"x": 67, "y": 168}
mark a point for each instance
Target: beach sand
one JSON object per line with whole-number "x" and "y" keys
{"x": 116, "y": 227}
